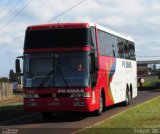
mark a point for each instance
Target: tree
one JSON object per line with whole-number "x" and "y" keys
{"x": 4, "y": 79}
{"x": 14, "y": 77}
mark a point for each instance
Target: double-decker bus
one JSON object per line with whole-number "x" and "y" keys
{"x": 78, "y": 67}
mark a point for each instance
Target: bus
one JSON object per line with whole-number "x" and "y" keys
{"x": 76, "y": 67}
{"x": 142, "y": 70}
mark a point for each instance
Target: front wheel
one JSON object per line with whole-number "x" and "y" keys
{"x": 101, "y": 106}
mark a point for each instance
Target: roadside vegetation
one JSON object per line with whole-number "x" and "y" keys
{"x": 152, "y": 81}
{"x": 143, "y": 117}
{"x": 13, "y": 103}
{"x": 11, "y": 106}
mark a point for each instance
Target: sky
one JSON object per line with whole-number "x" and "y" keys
{"x": 139, "y": 19}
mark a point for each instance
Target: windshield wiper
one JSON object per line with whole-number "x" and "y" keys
{"x": 44, "y": 81}
{"x": 60, "y": 72}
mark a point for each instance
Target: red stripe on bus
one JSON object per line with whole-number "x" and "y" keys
{"x": 58, "y": 49}
{"x": 59, "y": 25}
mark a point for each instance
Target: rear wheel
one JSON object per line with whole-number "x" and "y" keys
{"x": 101, "y": 106}
{"x": 46, "y": 115}
{"x": 128, "y": 98}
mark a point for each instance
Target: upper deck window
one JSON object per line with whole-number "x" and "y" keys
{"x": 60, "y": 37}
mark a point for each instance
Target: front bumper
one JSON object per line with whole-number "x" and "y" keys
{"x": 59, "y": 105}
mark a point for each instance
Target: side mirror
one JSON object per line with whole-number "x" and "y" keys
{"x": 18, "y": 68}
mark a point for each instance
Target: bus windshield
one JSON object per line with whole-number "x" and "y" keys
{"x": 56, "y": 69}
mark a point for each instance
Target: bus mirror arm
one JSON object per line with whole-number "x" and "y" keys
{"x": 22, "y": 57}
{"x": 17, "y": 65}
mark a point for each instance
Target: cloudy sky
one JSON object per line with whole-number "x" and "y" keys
{"x": 137, "y": 18}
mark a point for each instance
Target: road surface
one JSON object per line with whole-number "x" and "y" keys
{"x": 66, "y": 123}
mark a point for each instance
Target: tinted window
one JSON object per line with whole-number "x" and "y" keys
{"x": 93, "y": 37}
{"x": 105, "y": 43}
{"x": 132, "y": 51}
{"x": 56, "y": 69}
{"x": 51, "y": 38}
{"x": 114, "y": 46}
{"x": 126, "y": 49}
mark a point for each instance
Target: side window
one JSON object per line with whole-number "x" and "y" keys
{"x": 110, "y": 45}
{"x": 93, "y": 37}
{"x": 114, "y": 46}
{"x": 120, "y": 47}
{"x": 106, "y": 44}
{"x": 102, "y": 42}
{"x": 126, "y": 49}
{"x": 132, "y": 51}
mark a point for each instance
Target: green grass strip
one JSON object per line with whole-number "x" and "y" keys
{"x": 143, "y": 118}
{"x": 12, "y": 106}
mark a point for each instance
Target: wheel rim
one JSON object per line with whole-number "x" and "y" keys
{"x": 101, "y": 104}
{"x": 128, "y": 97}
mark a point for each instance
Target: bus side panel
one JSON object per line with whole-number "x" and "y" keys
{"x": 114, "y": 76}
{"x": 125, "y": 75}
{"x": 106, "y": 73}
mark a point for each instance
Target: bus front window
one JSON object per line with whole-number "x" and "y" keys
{"x": 56, "y": 70}
{"x": 74, "y": 67}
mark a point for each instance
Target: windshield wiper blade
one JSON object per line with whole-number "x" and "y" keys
{"x": 44, "y": 81}
{"x": 65, "y": 81}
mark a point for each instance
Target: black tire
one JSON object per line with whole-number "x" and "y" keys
{"x": 46, "y": 115}
{"x": 99, "y": 111}
{"x": 128, "y": 98}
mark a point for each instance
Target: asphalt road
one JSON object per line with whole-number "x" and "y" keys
{"x": 66, "y": 123}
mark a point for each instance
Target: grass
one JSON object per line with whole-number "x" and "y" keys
{"x": 144, "y": 117}
{"x": 150, "y": 81}
{"x": 13, "y": 103}
{"x": 12, "y": 106}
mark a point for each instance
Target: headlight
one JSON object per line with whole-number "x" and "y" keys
{"x": 29, "y": 95}
{"x": 80, "y": 95}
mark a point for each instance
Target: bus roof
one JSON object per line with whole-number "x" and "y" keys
{"x": 78, "y": 25}
{"x": 111, "y": 32}
{"x": 59, "y": 25}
